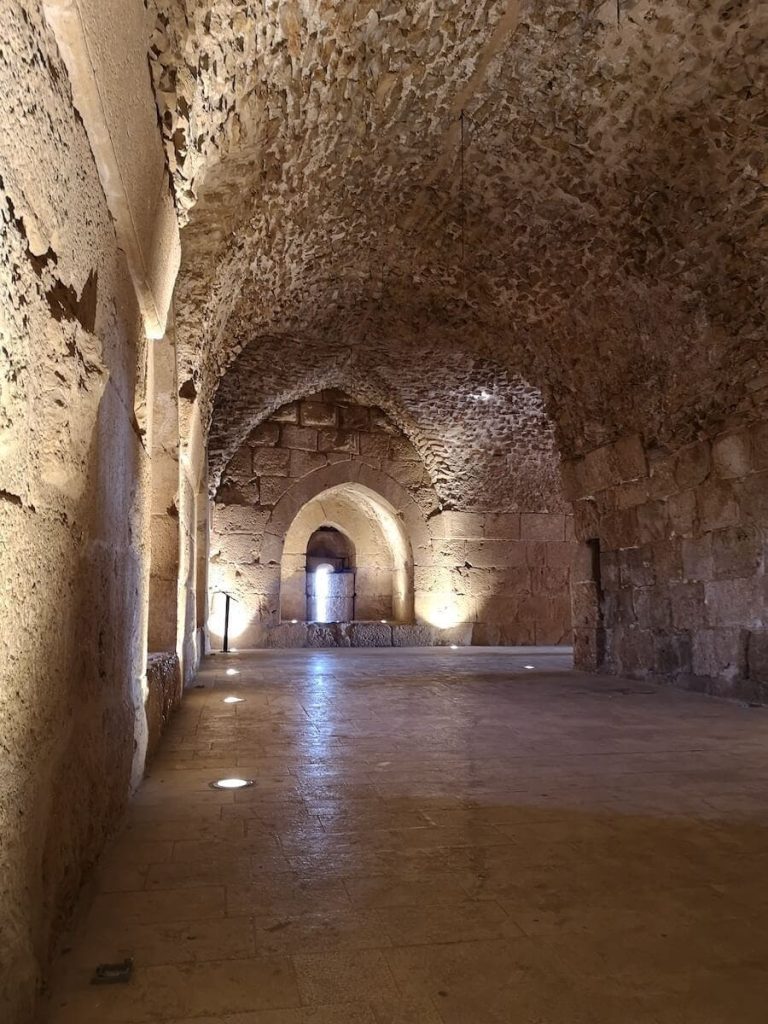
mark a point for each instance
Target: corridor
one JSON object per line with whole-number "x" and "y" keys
{"x": 471, "y": 836}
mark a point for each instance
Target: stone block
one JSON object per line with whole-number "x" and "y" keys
{"x": 338, "y": 441}
{"x": 560, "y": 555}
{"x": 485, "y": 554}
{"x": 287, "y": 635}
{"x": 652, "y": 521}
{"x": 673, "y": 654}
{"x": 588, "y": 648}
{"x": 370, "y": 634}
{"x": 427, "y": 500}
{"x": 318, "y": 414}
{"x": 409, "y": 474}
{"x": 502, "y": 525}
{"x": 582, "y": 562}
{"x": 731, "y": 455}
{"x": 736, "y": 551}
{"x": 412, "y": 636}
{"x": 757, "y": 656}
{"x": 693, "y": 464}
{"x": 633, "y": 493}
{"x": 381, "y": 423}
{"x": 629, "y": 461}
{"x": 489, "y": 582}
{"x": 239, "y": 494}
{"x": 585, "y": 609}
{"x": 586, "y": 519}
{"x": 302, "y": 438}
{"x": 271, "y": 461}
{"x": 238, "y": 519}
{"x": 237, "y": 548}
{"x": 257, "y": 579}
{"x": 661, "y": 481}
{"x": 542, "y": 526}
{"x": 513, "y": 634}
{"x": 681, "y": 513}
{"x": 667, "y": 560}
{"x": 334, "y": 457}
{"x": 597, "y": 471}
{"x": 273, "y": 488}
{"x": 547, "y": 580}
{"x": 687, "y": 605}
{"x": 433, "y": 578}
{"x": 487, "y": 634}
{"x": 734, "y": 603}
{"x": 752, "y": 495}
{"x": 636, "y": 568}
{"x": 618, "y": 529}
{"x": 451, "y": 552}
{"x": 717, "y": 506}
{"x": 375, "y": 445}
{"x": 286, "y": 414}
{"x": 266, "y": 434}
{"x": 609, "y": 569}
{"x": 401, "y": 448}
{"x": 571, "y": 479}
{"x": 302, "y": 463}
{"x": 719, "y": 653}
{"x": 324, "y": 635}
{"x": 354, "y": 417}
{"x": 239, "y": 469}
{"x": 758, "y": 438}
{"x": 634, "y": 652}
{"x": 653, "y": 608}
{"x": 697, "y": 558}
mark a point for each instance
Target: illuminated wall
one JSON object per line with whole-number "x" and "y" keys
{"x": 497, "y": 577}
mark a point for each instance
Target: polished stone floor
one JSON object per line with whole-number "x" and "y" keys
{"x": 436, "y": 837}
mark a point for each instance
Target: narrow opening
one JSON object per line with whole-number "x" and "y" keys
{"x": 594, "y": 554}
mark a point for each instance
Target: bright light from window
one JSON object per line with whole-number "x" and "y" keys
{"x": 232, "y": 672}
{"x": 322, "y": 592}
{"x": 234, "y": 700}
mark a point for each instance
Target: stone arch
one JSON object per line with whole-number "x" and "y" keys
{"x": 241, "y": 418}
{"x": 383, "y": 569}
{"x": 381, "y": 485}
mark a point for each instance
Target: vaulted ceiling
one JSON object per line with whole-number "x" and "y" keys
{"x": 572, "y": 193}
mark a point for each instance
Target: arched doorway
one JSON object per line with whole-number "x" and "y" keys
{"x": 355, "y": 534}
{"x": 330, "y": 569}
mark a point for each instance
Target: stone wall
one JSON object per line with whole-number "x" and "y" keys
{"x": 74, "y": 485}
{"x": 88, "y": 251}
{"x": 682, "y": 536}
{"x": 488, "y": 578}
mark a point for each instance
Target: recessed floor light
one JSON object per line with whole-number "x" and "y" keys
{"x": 231, "y": 783}
{"x": 454, "y": 647}
{"x": 384, "y": 621}
{"x": 294, "y": 621}
{"x": 234, "y": 700}
{"x": 232, "y": 672}
{"x": 529, "y": 666}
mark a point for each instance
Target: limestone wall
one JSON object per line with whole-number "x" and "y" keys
{"x": 682, "y": 560}
{"x": 74, "y": 492}
{"x": 487, "y": 578}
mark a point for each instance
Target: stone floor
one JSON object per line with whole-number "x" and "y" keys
{"x": 436, "y": 837}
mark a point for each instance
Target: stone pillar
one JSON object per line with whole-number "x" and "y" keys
{"x": 164, "y": 572}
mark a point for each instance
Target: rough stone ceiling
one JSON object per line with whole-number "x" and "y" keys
{"x": 483, "y": 436}
{"x": 608, "y": 243}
